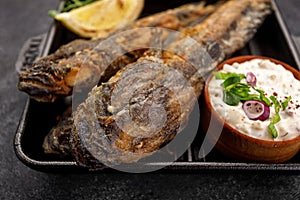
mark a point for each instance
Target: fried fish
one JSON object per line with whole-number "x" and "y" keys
{"x": 113, "y": 125}
{"x": 53, "y": 76}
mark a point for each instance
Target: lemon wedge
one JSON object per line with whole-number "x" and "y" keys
{"x": 99, "y": 17}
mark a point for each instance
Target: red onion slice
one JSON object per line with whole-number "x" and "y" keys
{"x": 256, "y": 110}
{"x": 251, "y": 79}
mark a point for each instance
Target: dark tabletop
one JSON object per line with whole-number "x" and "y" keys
{"x": 20, "y": 20}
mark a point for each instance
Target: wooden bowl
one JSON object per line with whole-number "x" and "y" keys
{"x": 235, "y": 144}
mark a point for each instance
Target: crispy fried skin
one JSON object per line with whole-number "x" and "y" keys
{"x": 53, "y": 76}
{"x": 99, "y": 134}
{"x": 67, "y": 61}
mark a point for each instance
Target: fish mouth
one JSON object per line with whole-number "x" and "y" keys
{"x": 41, "y": 89}
{"x": 41, "y": 94}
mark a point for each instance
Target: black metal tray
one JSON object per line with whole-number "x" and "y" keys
{"x": 271, "y": 40}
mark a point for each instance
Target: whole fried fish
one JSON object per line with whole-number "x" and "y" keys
{"x": 113, "y": 125}
{"x": 53, "y": 76}
{"x": 71, "y": 56}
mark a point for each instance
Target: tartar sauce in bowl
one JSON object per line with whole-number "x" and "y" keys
{"x": 276, "y": 82}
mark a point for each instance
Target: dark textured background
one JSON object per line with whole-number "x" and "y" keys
{"x": 20, "y": 20}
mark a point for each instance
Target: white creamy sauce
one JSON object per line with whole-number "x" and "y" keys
{"x": 274, "y": 80}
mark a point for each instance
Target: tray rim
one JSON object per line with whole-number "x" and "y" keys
{"x": 286, "y": 33}
{"x": 48, "y": 166}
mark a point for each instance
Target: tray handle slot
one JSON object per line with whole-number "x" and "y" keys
{"x": 31, "y": 50}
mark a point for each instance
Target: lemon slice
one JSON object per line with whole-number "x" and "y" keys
{"x": 97, "y": 18}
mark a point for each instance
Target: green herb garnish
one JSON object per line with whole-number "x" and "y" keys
{"x": 262, "y": 97}
{"x": 234, "y": 90}
{"x": 231, "y": 98}
{"x": 70, "y": 5}
{"x": 226, "y": 75}
{"x": 272, "y": 130}
{"x": 276, "y": 118}
{"x": 276, "y": 104}
{"x": 285, "y": 104}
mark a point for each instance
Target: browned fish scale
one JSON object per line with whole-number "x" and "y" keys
{"x": 53, "y": 76}
{"x": 98, "y": 137}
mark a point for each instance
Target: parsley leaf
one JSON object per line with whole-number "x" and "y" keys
{"x": 230, "y": 98}
{"x": 230, "y": 82}
{"x": 226, "y": 75}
